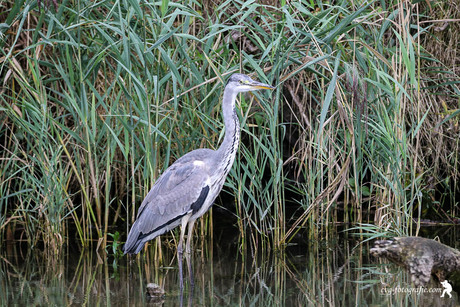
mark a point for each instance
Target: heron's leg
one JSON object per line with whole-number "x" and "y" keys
{"x": 180, "y": 250}
{"x": 188, "y": 252}
{"x": 189, "y": 236}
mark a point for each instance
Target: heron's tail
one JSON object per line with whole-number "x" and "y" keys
{"x": 133, "y": 244}
{"x": 134, "y": 248}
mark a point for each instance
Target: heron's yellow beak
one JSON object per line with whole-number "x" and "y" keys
{"x": 260, "y": 85}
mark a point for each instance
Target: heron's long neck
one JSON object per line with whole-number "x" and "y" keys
{"x": 229, "y": 146}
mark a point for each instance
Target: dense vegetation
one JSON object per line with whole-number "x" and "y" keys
{"x": 99, "y": 97}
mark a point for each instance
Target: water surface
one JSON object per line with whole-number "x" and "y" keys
{"x": 336, "y": 271}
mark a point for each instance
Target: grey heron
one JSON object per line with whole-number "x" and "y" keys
{"x": 188, "y": 188}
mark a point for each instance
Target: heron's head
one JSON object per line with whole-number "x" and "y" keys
{"x": 243, "y": 83}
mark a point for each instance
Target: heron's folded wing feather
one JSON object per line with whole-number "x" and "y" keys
{"x": 172, "y": 196}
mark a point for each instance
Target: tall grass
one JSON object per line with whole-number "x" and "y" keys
{"x": 98, "y": 98}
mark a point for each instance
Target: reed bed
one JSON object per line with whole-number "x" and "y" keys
{"x": 98, "y": 98}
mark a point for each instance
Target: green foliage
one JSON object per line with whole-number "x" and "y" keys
{"x": 98, "y": 98}
{"x": 114, "y": 247}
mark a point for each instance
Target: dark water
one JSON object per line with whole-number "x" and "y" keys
{"x": 337, "y": 271}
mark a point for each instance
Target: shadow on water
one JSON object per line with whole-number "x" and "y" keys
{"x": 333, "y": 272}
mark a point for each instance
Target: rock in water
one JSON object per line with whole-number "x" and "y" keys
{"x": 154, "y": 290}
{"x": 422, "y": 257}
{"x": 155, "y": 294}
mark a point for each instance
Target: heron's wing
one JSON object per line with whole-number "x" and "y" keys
{"x": 181, "y": 189}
